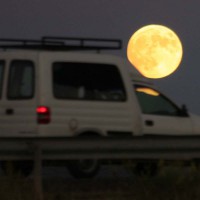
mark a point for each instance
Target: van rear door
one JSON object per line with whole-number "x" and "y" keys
{"x": 18, "y": 103}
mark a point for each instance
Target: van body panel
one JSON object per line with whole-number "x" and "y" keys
{"x": 73, "y": 117}
{"x": 17, "y": 107}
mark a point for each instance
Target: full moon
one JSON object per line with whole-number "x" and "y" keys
{"x": 155, "y": 51}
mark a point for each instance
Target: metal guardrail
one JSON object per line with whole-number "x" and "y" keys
{"x": 158, "y": 147}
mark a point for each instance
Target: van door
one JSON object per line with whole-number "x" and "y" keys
{"x": 87, "y": 93}
{"x": 19, "y": 102}
{"x": 160, "y": 115}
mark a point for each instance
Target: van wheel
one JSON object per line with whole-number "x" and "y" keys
{"x": 86, "y": 168}
{"x": 24, "y": 168}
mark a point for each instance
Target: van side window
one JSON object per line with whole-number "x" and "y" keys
{"x": 2, "y": 65}
{"x": 21, "y": 80}
{"x": 87, "y": 81}
{"x": 152, "y": 102}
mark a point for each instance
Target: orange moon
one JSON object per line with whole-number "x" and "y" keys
{"x": 155, "y": 51}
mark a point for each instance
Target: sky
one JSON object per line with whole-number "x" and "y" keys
{"x": 117, "y": 19}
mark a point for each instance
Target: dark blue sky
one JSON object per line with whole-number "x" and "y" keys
{"x": 114, "y": 19}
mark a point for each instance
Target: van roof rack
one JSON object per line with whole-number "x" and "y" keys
{"x": 62, "y": 44}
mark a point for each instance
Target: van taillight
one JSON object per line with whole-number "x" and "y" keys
{"x": 43, "y": 115}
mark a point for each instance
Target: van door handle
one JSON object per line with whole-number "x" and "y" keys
{"x": 9, "y": 111}
{"x": 149, "y": 122}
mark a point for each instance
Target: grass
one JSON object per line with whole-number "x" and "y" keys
{"x": 172, "y": 183}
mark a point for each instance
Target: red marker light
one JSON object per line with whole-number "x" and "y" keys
{"x": 42, "y": 109}
{"x": 43, "y": 115}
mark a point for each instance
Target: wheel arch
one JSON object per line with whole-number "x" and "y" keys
{"x": 90, "y": 132}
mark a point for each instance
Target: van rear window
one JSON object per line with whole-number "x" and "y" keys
{"x": 21, "y": 80}
{"x": 87, "y": 81}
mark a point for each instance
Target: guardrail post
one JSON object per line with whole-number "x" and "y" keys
{"x": 38, "y": 173}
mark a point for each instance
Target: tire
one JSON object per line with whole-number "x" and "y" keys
{"x": 83, "y": 168}
{"x": 24, "y": 168}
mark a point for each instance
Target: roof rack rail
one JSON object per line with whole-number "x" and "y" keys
{"x": 62, "y": 44}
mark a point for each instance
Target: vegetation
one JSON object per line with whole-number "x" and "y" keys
{"x": 171, "y": 183}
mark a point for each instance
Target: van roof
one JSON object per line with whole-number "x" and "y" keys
{"x": 60, "y": 44}
{"x": 136, "y": 76}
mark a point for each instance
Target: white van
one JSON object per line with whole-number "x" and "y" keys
{"x": 61, "y": 94}
{"x": 49, "y": 88}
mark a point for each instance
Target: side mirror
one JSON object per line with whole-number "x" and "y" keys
{"x": 184, "y": 111}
